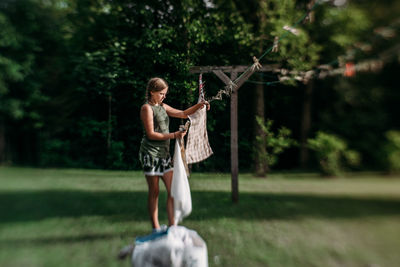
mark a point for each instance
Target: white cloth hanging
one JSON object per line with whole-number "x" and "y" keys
{"x": 180, "y": 189}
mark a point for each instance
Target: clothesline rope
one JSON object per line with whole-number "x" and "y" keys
{"x": 324, "y": 70}
{"x": 256, "y": 65}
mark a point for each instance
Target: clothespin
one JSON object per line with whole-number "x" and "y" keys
{"x": 231, "y": 86}
{"x": 363, "y": 46}
{"x": 283, "y": 78}
{"x": 256, "y": 65}
{"x": 322, "y": 74}
{"x": 350, "y": 69}
{"x": 275, "y": 46}
{"x": 309, "y": 17}
{"x": 310, "y": 14}
{"x": 376, "y": 65}
{"x": 291, "y": 29}
{"x": 385, "y": 32}
{"x": 307, "y": 76}
{"x": 325, "y": 67}
{"x": 341, "y": 61}
{"x": 284, "y": 72}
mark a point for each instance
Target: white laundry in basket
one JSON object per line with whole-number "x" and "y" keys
{"x": 177, "y": 247}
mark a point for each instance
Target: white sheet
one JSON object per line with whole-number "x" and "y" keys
{"x": 180, "y": 189}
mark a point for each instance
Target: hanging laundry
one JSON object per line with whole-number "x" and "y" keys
{"x": 180, "y": 189}
{"x": 197, "y": 146}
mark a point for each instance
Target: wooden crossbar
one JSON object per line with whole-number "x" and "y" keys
{"x": 230, "y": 69}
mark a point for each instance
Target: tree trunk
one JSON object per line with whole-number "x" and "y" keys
{"x": 2, "y": 143}
{"x": 305, "y": 124}
{"x": 261, "y": 166}
{"x": 109, "y": 130}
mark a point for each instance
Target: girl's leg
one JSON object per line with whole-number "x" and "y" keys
{"x": 152, "y": 201}
{"x": 167, "y": 179}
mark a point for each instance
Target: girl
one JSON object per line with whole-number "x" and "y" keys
{"x": 154, "y": 148}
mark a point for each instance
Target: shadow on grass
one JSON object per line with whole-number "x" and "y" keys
{"x": 132, "y": 206}
{"x": 289, "y": 206}
{"x": 7, "y": 243}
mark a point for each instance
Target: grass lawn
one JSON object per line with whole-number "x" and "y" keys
{"x": 72, "y": 217}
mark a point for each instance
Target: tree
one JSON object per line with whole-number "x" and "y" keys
{"x": 73, "y": 75}
{"x": 29, "y": 40}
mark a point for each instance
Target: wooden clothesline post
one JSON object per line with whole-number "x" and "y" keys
{"x": 234, "y": 142}
{"x": 233, "y": 70}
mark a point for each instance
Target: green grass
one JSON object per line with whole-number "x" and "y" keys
{"x": 71, "y": 217}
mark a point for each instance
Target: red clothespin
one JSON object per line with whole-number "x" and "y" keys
{"x": 350, "y": 69}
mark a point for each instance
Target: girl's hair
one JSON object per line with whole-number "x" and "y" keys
{"x": 155, "y": 85}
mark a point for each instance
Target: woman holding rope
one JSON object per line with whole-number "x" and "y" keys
{"x": 154, "y": 148}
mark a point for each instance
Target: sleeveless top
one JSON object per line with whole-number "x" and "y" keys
{"x": 157, "y": 148}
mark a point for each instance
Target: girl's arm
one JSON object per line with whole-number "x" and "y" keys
{"x": 146, "y": 115}
{"x": 183, "y": 114}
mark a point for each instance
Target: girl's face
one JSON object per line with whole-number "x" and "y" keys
{"x": 158, "y": 97}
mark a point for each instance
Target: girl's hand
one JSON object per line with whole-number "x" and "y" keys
{"x": 179, "y": 134}
{"x": 204, "y": 102}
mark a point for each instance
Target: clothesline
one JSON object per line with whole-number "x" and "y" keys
{"x": 349, "y": 70}
{"x": 320, "y": 72}
{"x": 325, "y": 70}
{"x": 256, "y": 65}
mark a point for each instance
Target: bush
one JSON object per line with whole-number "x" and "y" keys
{"x": 55, "y": 152}
{"x": 392, "y": 151}
{"x": 59, "y": 153}
{"x": 332, "y": 153}
{"x": 115, "y": 155}
{"x": 275, "y": 142}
